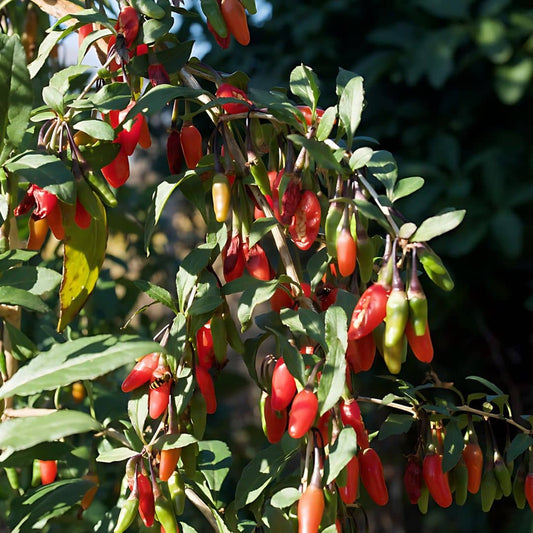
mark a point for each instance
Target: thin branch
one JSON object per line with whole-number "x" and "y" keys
{"x": 202, "y": 507}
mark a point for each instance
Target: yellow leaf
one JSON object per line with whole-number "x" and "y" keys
{"x": 83, "y": 257}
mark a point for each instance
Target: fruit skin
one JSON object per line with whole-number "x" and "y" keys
{"x": 230, "y": 91}
{"x": 127, "y": 514}
{"x": 303, "y": 412}
{"x": 207, "y": 388}
{"x": 371, "y": 472}
{"x": 146, "y": 499}
{"x": 369, "y": 311}
{"x": 191, "y": 144}
{"x": 348, "y": 493}
{"x": 233, "y": 258}
{"x": 275, "y": 422}
{"x": 167, "y": 463}
{"x": 141, "y": 372}
{"x": 128, "y": 24}
{"x": 305, "y": 222}
{"x": 436, "y": 480}
{"x": 283, "y": 386}
{"x": 412, "y": 478}
{"x": 236, "y": 21}
{"x": 346, "y": 252}
{"x": 351, "y": 416}
{"x": 221, "y": 193}
{"x": 420, "y": 344}
{"x": 360, "y": 353}
{"x": 48, "y": 471}
{"x": 310, "y": 509}
{"x": 473, "y": 458}
{"x": 528, "y": 489}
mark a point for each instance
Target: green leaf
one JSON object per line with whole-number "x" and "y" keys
{"x": 154, "y": 29}
{"x": 39, "y": 505}
{"x": 305, "y": 322}
{"x": 513, "y": 79}
{"x": 189, "y": 270}
{"x": 487, "y": 384}
{"x": 96, "y": 128}
{"x": 115, "y": 455}
{"x": 22, "y": 347}
{"x": 45, "y": 48}
{"x": 406, "y": 186}
{"x": 518, "y": 446}
{"x": 383, "y": 167}
{"x": 35, "y": 280}
{"x": 214, "y": 461}
{"x": 304, "y": 85}
{"x": 360, "y": 157}
{"x": 260, "y": 228}
{"x": 170, "y": 441}
{"x": 138, "y": 410}
{"x": 15, "y": 296}
{"x": 266, "y": 466}
{"x": 23, "y": 433}
{"x": 371, "y": 211}
{"x": 17, "y": 94}
{"x": 351, "y": 106}
{"x": 46, "y": 171}
{"x": 207, "y": 296}
{"x": 260, "y": 291}
{"x": 13, "y": 257}
{"x": 327, "y": 121}
{"x": 285, "y": 497}
{"x": 333, "y": 376}
{"x": 111, "y": 96}
{"x": 160, "y": 198}
{"x": 434, "y": 226}
{"x": 395, "y": 424}
{"x": 84, "y": 254}
{"x": 453, "y": 445}
{"x": 83, "y": 358}
{"x": 344, "y": 448}
{"x": 159, "y": 294}
{"x": 320, "y": 152}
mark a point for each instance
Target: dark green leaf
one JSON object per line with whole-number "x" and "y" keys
{"x": 154, "y": 29}
{"x": 36, "y": 280}
{"x": 383, "y": 167}
{"x": 159, "y": 294}
{"x": 487, "y": 384}
{"x": 508, "y": 231}
{"x": 13, "y": 257}
{"x": 265, "y": 467}
{"x": 15, "y": 296}
{"x": 83, "y": 358}
{"x": 16, "y": 91}
{"x": 214, "y": 461}
{"x": 395, "y": 424}
{"x": 111, "y": 96}
{"x": 22, "y": 347}
{"x": 45, "y": 170}
{"x": 305, "y": 322}
{"x": 170, "y": 441}
{"x": 343, "y": 449}
{"x": 260, "y": 228}
{"x": 261, "y": 291}
{"x": 207, "y": 296}
{"x": 518, "y": 446}
{"x": 333, "y": 376}
{"x": 453, "y": 445}
{"x": 320, "y": 152}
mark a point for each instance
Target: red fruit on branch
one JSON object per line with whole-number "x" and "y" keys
{"x": 48, "y": 471}
{"x": 141, "y": 373}
{"x": 473, "y": 458}
{"x": 371, "y": 472}
{"x": 159, "y": 392}
{"x": 283, "y": 386}
{"x": 436, "y": 480}
{"x": 305, "y": 222}
{"x": 233, "y": 259}
{"x": 207, "y": 388}
{"x": 128, "y": 24}
{"x": 257, "y": 263}
{"x": 420, "y": 344}
{"x": 351, "y": 416}
{"x": 303, "y": 412}
{"x": 346, "y": 252}
{"x": 191, "y": 144}
{"x": 174, "y": 152}
{"x": 204, "y": 346}
{"x": 236, "y": 21}
{"x": 230, "y": 91}
{"x": 275, "y": 421}
{"x": 412, "y": 478}
{"x": 369, "y": 311}
{"x": 360, "y": 353}
{"x": 146, "y": 499}
{"x": 348, "y": 493}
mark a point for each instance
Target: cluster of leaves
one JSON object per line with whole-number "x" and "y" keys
{"x": 329, "y": 153}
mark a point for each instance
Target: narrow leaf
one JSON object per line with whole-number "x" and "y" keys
{"x": 304, "y": 85}
{"x": 407, "y": 186}
{"x": 83, "y": 358}
{"x": 453, "y": 446}
{"x": 383, "y": 167}
{"x": 15, "y": 296}
{"x": 351, "y": 106}
{"x": 395, "y": 424}
{"x": 116, "y": 454}
{"x": 344, "y": 448}
{"x": 320, "y": 152}
{"x": 434, "y": 226}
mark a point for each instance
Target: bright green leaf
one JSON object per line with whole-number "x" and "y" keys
{"x": 116, "y": 454}
{"x": 406, "y": 186}
{"x": 304, "y": 85}
{"x": 285, "y": 497}
{"x": 35, "y": 280}
{"x": 96, "y": 128}
{"x": 15, "y": 296}
{"x": 321, "y": 153}
{"x": 383, "y": 167}
{"x": 351, "y": 106}
{"x": 343, "y": 449}
{"x": 214, "y": 461}
{"x": 360, "y": 157}
{"x": 434, "y": 226}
